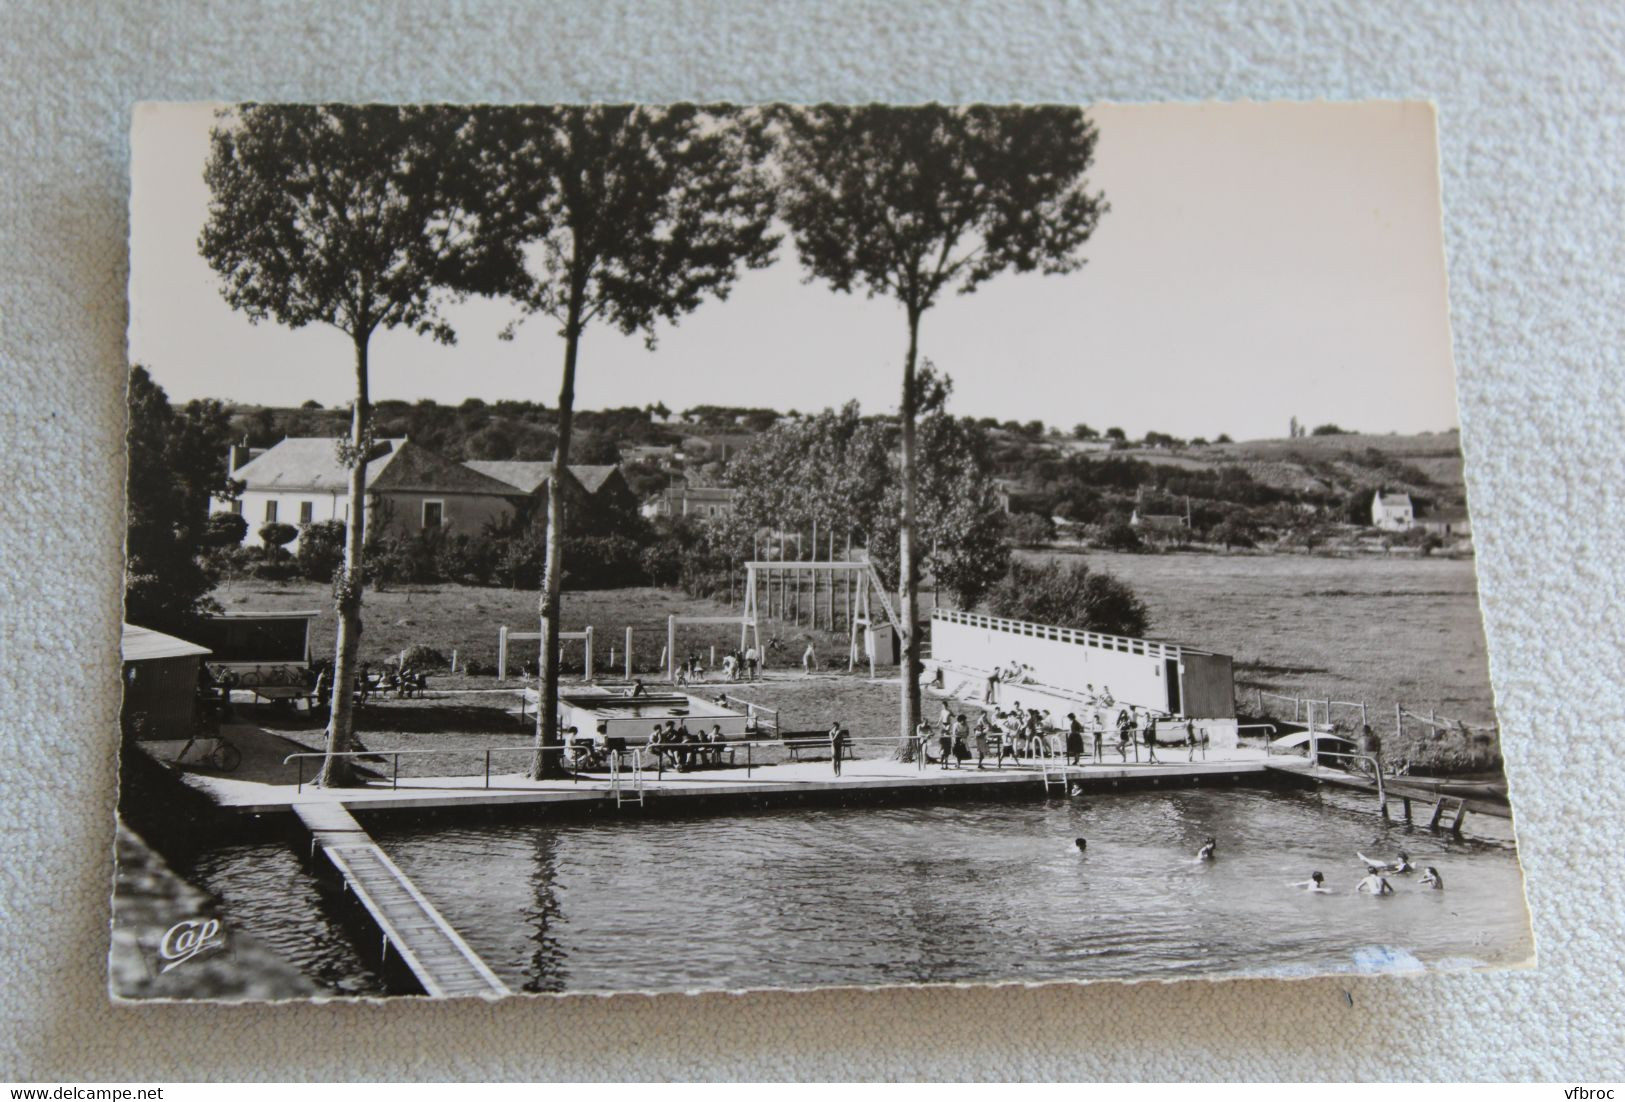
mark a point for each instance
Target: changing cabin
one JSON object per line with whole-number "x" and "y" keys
{"x": 1061, "y": 663}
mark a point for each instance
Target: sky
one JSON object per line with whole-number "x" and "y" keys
{"x": 1258, "y": 262}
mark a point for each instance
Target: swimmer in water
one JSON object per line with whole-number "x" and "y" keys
{"x": 1083, "y": 846}
{"x": 1431, "y": 878}
{"x": 1315, "y": 883}
{"x": 1374, "y": 883}
{"x": 1401, "y": 863}
{"x": 1206, "y": 852}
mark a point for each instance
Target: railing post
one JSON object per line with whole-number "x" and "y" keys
{"x": 629, "y": 653}
{"x": 588, "y": 669}
{"x": 487, "y": 767}
{"x": 299, "y": 764}
{"x": 395, "y": 779}
{"x": 502, "y": 653}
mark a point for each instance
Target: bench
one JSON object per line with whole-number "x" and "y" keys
{"x": 797, "y": 743}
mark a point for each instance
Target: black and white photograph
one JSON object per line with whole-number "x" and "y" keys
{"x": 671, "y": 548}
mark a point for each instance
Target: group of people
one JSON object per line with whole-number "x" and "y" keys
{"x": 1018, "y": 733}
{"x": 737, "y": 665}
{"x": 1376, "y": 872}
{"x": 686, "y": 749}
{"x": 1376, "y": 876}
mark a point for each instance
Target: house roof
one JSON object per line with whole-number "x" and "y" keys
{"x": 1398, "y": 501}
{"x": 311, "y": 463}
{"x": 144, "y": 645}
{"x": 529, "y": 474}
{"x": 593, "y": 477}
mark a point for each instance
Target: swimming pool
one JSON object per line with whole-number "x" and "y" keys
{"x": 955, "y": 893}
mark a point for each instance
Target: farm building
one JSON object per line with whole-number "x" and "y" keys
{"x": 1392, "y": 512}
{"x": 160, "y": 674}
{"x": 410, "y": 489}
{"x": 597, "y": 494}
{"x": 1061, "y": 663}
{"x": 1447, "y": 524}
{"x": 692, "y": 501}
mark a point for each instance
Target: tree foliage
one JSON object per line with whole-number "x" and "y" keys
{"x": 177, "y": 465}
{"x": 911, "y": 203}
{"x": 343, "y": 216}
{"x": 1068, "y": 594}
{"x": 628, "y": 216}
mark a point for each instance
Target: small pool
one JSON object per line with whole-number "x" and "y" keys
{"x": 633, "y": 718}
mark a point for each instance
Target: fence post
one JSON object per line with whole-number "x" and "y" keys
{"x": 1364, "y": 720}
{"x": 588, "y": 669}
{"x": 1399, "y": 721}
{"x": 671, "y": 647}
{"x": 502, "y": 653}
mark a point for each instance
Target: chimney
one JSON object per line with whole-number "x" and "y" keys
{"x": 237, "y": 455}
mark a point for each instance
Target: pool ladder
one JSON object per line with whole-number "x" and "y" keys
{"x": 1054, "y": 774}
{"x": 618, "y": 788}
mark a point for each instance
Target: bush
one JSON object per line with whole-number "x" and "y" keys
{"x": 1026, "y": 529}
{"x": 275, "y": 570}
{"x": 601, "y": 562}
{"x": 1232, "y": 532}
{"x": 1068, "y": 595}
{"x": 225, "y": 530}
{"x": 1117, "y": 535}
{"x": 1328, "y": 430}
{"x": 463, "y": 558}
{"x": 420, "y": 656}
{"x": 662, "y": 562}
{"x": 321, "y": 549}
{"x": 277, "y": 535}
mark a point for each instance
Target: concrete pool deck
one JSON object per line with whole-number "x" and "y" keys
{"x": 869, "y": 776}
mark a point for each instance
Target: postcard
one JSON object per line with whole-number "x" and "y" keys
{"x": 644, "y": 548}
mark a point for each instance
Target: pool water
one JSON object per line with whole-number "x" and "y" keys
{"x": 955, "y": 893}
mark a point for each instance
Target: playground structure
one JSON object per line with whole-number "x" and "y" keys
{"x": 855, "y": 579}
{"x": 880, "y": 640}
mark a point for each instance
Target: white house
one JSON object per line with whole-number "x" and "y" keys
{"x": 409, "y": 488}
{"x": 1392, "y": 512}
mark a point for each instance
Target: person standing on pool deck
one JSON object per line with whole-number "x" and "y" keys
{"x": 837, "y": 745}
{"x": 922, "y": 734}
{"x": 1125, "y": 734}
{"x": 1149, "y": 736}
{"x": 981, "y": 740}
{"x": 1074, "y": 739}
{"x": 750, "y": 663}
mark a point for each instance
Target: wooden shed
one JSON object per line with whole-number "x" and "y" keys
{"x": 160, "y": 674}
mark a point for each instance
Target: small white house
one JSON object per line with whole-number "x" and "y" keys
{"x": 1392, "y": 512}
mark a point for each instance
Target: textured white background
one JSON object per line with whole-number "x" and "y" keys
{"x": 1530, "y": 100}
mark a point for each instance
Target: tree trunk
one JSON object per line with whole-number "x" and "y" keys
{"x": 347, "y": 587}
{"x": 908, "y": 584}
{"x": 548, "y": 762}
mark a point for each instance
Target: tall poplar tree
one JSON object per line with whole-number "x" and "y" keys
{"x": 337, "y": 215}
{"x": 911, "y": 203}
{"x": 627, "y": 216}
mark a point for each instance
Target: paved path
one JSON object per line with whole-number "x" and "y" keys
{"x": 870, "y": 775}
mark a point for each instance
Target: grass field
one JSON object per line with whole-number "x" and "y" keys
{"x": 466, "y": 619}
{"x": 1383, "y": 631}
{"x": 1375, "y": 630}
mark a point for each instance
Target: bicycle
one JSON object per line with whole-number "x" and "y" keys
{"x": 223, "y": 755}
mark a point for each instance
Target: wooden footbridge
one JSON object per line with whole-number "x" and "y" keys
{"x": 435, "y": 953}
